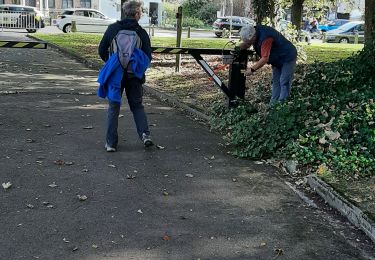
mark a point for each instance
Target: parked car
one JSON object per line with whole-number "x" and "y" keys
{"x": 331, "y": 25}
{"x": 87, "y": 20}
{"x": 224, "y": 23}
{"x": 346, "y": 33}
{"x": 21, "y": 17}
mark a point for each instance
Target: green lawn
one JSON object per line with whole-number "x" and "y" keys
{"x": 328, "y": 52}
{"x": 86, "y": 45}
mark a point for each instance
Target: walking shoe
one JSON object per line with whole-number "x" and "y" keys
{"x": 109, "y": 149}
{"x": 146, "y": 139}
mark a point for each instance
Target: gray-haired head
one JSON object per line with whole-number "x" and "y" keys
{"x": 247, "y": 33}
{"x": 131, "y": 8}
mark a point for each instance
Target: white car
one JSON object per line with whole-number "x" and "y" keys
{"x": 87, "y": 20}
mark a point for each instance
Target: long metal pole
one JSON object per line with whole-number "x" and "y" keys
{"x": 179, "y": 36}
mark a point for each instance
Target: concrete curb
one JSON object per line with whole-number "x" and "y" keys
{"x": 148, "y": 90}
{"x": 335, "y": 200}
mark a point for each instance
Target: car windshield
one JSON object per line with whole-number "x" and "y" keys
{"x": 346, "y": 27}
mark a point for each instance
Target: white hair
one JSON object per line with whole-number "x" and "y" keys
{"x": 247, "y": 32}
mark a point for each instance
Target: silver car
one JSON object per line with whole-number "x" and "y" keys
{"x": 346, "y": 33}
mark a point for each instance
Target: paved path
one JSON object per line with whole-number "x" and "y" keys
{"x": 141, "y": 204}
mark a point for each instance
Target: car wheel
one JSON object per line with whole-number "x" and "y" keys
{"x": 344, "y": 40}
{"x": 67, "y": 28}
{"x": 31, "y": 30}
{"x": 218, "y": 35}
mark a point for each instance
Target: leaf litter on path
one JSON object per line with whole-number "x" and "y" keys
{"x": 7, "y": 185}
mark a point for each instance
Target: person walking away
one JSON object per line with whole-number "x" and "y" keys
{"x": 274, "y": 49}
{"x": 129, "y": 82}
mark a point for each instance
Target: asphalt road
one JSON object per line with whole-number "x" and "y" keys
{"x": 188, "y": 199}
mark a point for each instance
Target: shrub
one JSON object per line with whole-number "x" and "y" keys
{"x": 329, "y": 120}
{"x": 192, "y": 22}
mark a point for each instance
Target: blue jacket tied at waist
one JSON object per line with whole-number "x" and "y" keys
{"x": 111, "y": 74}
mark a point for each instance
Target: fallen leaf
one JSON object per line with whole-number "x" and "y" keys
{"x": 75, "y": 248}
{"x": 332, "y": 135}
{"x": 263, "y": 244}
{"x": 322, "y": 140}
{"x": 65, "y": 240}
{"x": 30, "y": 206}
{"x": 212, "y": 157}
{"x": 140, "y": 211}
{"x": 88, "y": 127}
{"x": 160, "y": 147}
{"x": 7, "y": 185}
{"x": 166, "y": 238}
{"x": 94, "y": 246}
{"x": 258, "y": 162}
{"x": 165, "y": 193}
{"x": 279, "y": 252}
{"x": 189, "y": 175}
{"x": 30, "y": 141}
{"x": 130, "y": 176}
{"x": 69, "y": 163}
{"x": 112, "y": 165}
{"x": 234, "y": 179}
{"x": 59, "y": 162}
{"x": 82, "y": 197}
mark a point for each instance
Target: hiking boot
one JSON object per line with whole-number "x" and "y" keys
{"x": 109, "y": 149}
{"x": 146, "y": 139}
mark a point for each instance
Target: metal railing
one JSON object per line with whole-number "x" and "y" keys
{"x": 20, "y": 20}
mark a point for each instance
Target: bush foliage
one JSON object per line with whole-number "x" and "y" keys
{"x": 327, "y": 125}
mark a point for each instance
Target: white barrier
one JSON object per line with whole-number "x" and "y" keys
{"x": 20, "y": 20}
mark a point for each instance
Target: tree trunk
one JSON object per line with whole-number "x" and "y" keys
{"x": 369, "y": 19}
{"x": 297, "y": 13}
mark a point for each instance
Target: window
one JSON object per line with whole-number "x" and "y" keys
{"x": 16, "y": 2}
{"x": 96, "y": 15}
{"x": 86, "y": 3}
{"x": 80, "y": 13}
{"x": 51, "y": 4}
{"x": 30, "y": 2}
{"x": 1, "y": 2}
{"x": 67, "y": 3}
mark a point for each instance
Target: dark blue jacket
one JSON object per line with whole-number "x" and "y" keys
{"x": 282, "y": 50}
{"x": 125, "y": 24}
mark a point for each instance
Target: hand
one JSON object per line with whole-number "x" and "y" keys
{"x": 244, "y": 45}
{"x": 249, "y": 72}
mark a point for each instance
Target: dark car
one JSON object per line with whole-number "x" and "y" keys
{"x": 222, "y": 25}
{"x": 347, "y": 33}
{"x": 331, "y": 25}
